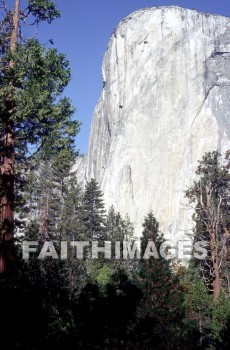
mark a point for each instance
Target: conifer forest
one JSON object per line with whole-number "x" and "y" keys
{"x": 73, "y": 273}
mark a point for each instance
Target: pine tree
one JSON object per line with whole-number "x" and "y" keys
{"x": 55, "y": 207}
{"x": 71, "y": 228}
{"x": 33, "y": 113}
{"x": 94, "y": 211}
{"x": 45, "y": 197}
{"x": 71, "y": 225}
{"x": 212, "y": 225}
{"x": 207, "y": 320}
{"x": 120, "y": 230}
{"x": 160, "y": 310}
{"x": 114, "y": 225}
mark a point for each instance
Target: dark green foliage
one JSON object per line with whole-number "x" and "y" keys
{"x": 36, "y": 312}
{"x": 55, "y": 207}
{"x": 160, "y": 312}
{"x": 156, "y": 308}
{"x": 43, "y": 10}
{"x": 39, "y": 78}
{"x": 120, "y": 230}
{"x": 35, "y": 118}
{"x": 210, "y": 194}
{"x": 207, "y": 320}
{"x": 105, "y": 318}
{"x": 207, "y": 281}
{"x": 45, "y": 199}
{"x": 71, "y": 227}
{"x": 31, "y": 88}
{"x": 71, "y": 223}
{"x": 72, "y": 304}
{"x": 94, "y": 211}
{"x": 115, "y": 225}
{"x": 150, "y": 232}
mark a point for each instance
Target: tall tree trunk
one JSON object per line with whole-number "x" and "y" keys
{"x": 216, "y": 282}
{"x": 7, "y": 168}
{"x": 216, "y": 271}
{"x": 14, "y": 33}
{"x": 44, "y": 226}
{"x": 7, "y": 217}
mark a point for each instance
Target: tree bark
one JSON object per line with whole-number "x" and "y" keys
{"x": 45, "y": 218}
{"x": 7, "y": 168}
{"x": 213, "y": 224}
{"x": 14, "y": 33}
{"x": 216, "y": 271}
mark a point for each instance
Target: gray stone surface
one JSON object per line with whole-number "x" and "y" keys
{"x": 165, "y": 102}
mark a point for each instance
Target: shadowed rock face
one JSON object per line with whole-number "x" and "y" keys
{"x": 165, "y": 102}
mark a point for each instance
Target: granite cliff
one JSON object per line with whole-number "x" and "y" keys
{"x": 165, "y": 102}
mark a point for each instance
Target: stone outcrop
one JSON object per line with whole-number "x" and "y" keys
{"x": 165, "y": 102}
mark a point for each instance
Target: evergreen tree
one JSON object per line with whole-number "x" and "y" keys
{"x": 71, "y": 224}
{"x": 55, "y": 208}
{"x": 119, "y": 232}
{"x": 117, "y": 228}
{"x": 40, "y": 202}
{"x": 160, "y": 311}
{"x": 212, "y": 225}
{"x": 207, "y": 295}
{"x": 206, "y": 320}
{"x": 33, "y": 113}
{"x": 94, "y": 211}
{"x": 114, "y": 225}
{"x": 71, "y": 228}
{"x": 107, "y": 314}
{"x": 37, "y": 309}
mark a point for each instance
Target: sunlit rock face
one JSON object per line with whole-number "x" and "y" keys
{"x": 165, "y": 102}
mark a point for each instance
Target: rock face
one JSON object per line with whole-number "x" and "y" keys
{"x": 165, "y": 102}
